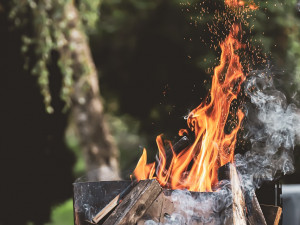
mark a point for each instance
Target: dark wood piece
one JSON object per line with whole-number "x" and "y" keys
{"x": 112, "y": 204}
{"x": 135, "y": 204}
{"x": 177, "y": 148}
{"x": 272, "y": 214}
{"x": 255, "y": 214}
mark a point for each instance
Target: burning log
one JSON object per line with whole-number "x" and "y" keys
{"x": 135, "y": 204}
{"x": 125, "y": 203}
{"x": 178, "y": 207}
{"x": 167, "y": 207}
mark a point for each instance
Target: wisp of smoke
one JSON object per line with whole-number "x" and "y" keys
{"x": 272, "y": 127}
{"x": 199, "y": 208}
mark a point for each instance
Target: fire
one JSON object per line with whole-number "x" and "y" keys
{"x": 236, "y": 3}
{"x": 195, "y": 168}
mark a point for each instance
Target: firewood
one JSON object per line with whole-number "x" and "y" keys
{"x": 155, "y": 211}
{"x": 255, "y": 214}
{"x": 272, "y": 214}
{"x": 245, "y": 203}
{"x": 164, "y": 210}
{"x": 238, "y": 200}
{"x": 112, "y": 204}
{"x": 135, "y": 204}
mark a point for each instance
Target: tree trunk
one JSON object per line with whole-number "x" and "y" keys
{"x": 87, "y": 109}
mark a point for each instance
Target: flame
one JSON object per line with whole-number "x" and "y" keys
{"x": 236, "y": 3}
{"x": 233, "y": 2}
{"x": 195, "y": 167}
{"x": 146, "y": 171}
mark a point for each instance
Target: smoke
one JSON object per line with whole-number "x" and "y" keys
{"x": 272, "y": 127}
{"x": 199, "y": 207}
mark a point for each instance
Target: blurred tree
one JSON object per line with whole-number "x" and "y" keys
{"x": 57, "y": 26}
{"x": 35, "y": 163}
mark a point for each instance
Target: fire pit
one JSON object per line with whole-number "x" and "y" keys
{"x": 200, "y": 179}
{"x": 146, "y": 202}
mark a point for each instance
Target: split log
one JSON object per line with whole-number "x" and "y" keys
{"x": 168, "y": 210}
{"x": 244, "y": 209}
{"x": 272, "y": 214}
{"x": 135, "y": 204}
{"x": 255, "y": 214}
{"x": 238, "y": 200}
{"x": 245, "y": 203}
{"x": 155, "y": 211}
{"x": 112, "y": 204}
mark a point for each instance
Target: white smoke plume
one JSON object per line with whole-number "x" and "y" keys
{"x": 273, "y": 128}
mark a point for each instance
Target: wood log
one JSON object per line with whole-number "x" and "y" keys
{"x": 238, "y": 200}
{"x": 112, "y": 204}
{"x": 164, "y": 210}
{"x": 272, "y": 214}
{"x": 245, "y": 203}
{"x": 155, "y": 211}
{"x": 135, "y": 204}
{"x": 244, "y": 209}
{"x": 255, "y": 214}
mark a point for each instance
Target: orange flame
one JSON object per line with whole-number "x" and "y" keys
{"x": 195, "y": 167}
{"x": 240, "y": 3}
{"x": 146, "y": 171}
{"x": 212, "y": 147}
{"x": 232, "y": 2}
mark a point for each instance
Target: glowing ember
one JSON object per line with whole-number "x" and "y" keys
{"x": 236, "y": 3}
{"x": 195, "y": 168}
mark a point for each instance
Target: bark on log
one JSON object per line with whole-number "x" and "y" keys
{"x": 87, "y": 109}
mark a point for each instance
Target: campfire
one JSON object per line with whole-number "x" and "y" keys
{"x": 200, "y": 179}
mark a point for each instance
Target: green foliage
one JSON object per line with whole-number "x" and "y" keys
{"x": 62, "y": 214}
{"x": 277, "y": 26}
{"x": 72, "y": 142}
{"x": 49, "y": 32}
{"x": 89, "y": 12}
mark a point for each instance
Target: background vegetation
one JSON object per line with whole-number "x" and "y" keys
{"x": 153, "y": 65}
